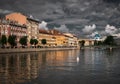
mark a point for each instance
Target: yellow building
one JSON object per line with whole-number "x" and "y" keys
{"x": 72, "y": 40}
{"x": 60, "y": 39}
{"x": 53, "y": 38}
{"x": 45, "y": 34}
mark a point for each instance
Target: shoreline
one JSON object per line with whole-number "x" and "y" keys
{"x": 21, "y": 50}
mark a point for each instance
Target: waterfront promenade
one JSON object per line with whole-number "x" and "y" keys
{"x": 19, "y": 50}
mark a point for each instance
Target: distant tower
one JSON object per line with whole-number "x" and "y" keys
{"x": 97, "y": 37}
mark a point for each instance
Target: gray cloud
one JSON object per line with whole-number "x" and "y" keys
{"x": 89, "y": 29}
{"x": 62, "y": 28}
{"x": 75, "y": 14}
{"x": 112, "y": 1}
{"x": 5, "y": 11}
{"x": 43, "y": 25}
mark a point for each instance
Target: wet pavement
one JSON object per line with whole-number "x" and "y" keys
{"x": 87, "y": 66}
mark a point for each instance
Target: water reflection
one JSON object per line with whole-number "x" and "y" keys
{"x": 56, "y": 67}
{"x": 22, "y": 67}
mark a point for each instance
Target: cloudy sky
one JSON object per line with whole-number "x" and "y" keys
{"x": 82, "y": 17}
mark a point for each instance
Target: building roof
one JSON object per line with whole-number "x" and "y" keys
{"x": 43, "y": 31}
{"x": 69, "y": 35}
{"x": 97, "y": 35}
{"x": 32, "y": 19}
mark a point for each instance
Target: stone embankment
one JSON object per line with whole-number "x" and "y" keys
{"x": 20, "y": 50}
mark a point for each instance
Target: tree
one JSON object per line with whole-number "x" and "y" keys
{"x": 109, "y": 40}
{"x": 0, "y": 40}
{"x": 23, "y": 40}
{"x": 12, "y": 40}
{"x": 3, "y": 40}
{"x": 82, "y": 43}
{"x": 43, "y": 41}
{"x": 98, "y": 43}
{"x": 95, "y": 43}
{"x": 35, "y": 41}
{"x": 31, "y": 41}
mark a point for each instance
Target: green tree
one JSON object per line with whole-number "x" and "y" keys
{"x": 31, "y": 41}
{"x": 109, "y": 40}
{"x": 98, "y": 43}
{"x": 23, "y": 40}
{"x": 3, "y": 40}
{"x": 95, "y": 43}
{"x": 82, "y": 43}
{"x": 35, "y": 41}
{"x": 0, "y": 40}
{"x": 44, "y": 41}
{"x": 12, "y": 40}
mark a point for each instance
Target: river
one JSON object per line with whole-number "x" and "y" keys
{"x": 87, "y": 66}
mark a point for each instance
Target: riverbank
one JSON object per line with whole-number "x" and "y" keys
{"x": 20, "y": 50}
{"x": 101, "y": 47}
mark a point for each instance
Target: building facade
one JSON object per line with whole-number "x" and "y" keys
{"x": 32, "y": 29}
{"x": 8, "y": 27}
{"x": 13, "y": 24}
{"x": 55, "y": 38}
{"x": 88, "y": 42}
{"x": 44, "y": 34}
{"x": 60, "y": 39}
{"x": 72, "y": 40}
{"x": 21, "y": 25}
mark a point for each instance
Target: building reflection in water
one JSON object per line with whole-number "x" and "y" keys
{"x": 24, "y": 67}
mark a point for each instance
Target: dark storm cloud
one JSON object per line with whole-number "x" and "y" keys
{"x": 112, "y": 1}
{"x": 75, "y": 14}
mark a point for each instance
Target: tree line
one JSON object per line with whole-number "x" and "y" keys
{"x": 109, "y": 41}
{"x": 12, "y": 40}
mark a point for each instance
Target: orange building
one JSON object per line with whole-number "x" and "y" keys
{"x": 18, "y": 17}
{"x": 13, "y": 24}
{"x": 31, "y": 25}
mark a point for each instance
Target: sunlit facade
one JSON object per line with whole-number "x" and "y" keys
{"x": 18, "y": 17}
{"x": 45, "y": 34}
{"x": 71, "y": 39}
{"x": 32, "y": 28}
{"x": 53, "y": 38}
{"x": 56, "y": 39}
{"x": 4, "y": 27}
{"x": 60, "y": 39}
{"x": 20, "y": 25}
{"x": 9, "y": 27}
{"x": 30, "y": 25}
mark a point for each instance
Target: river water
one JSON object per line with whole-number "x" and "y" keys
{"x": 88, "y": 66}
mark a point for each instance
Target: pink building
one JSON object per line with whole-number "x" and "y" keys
{"x": 8, "y": 27}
